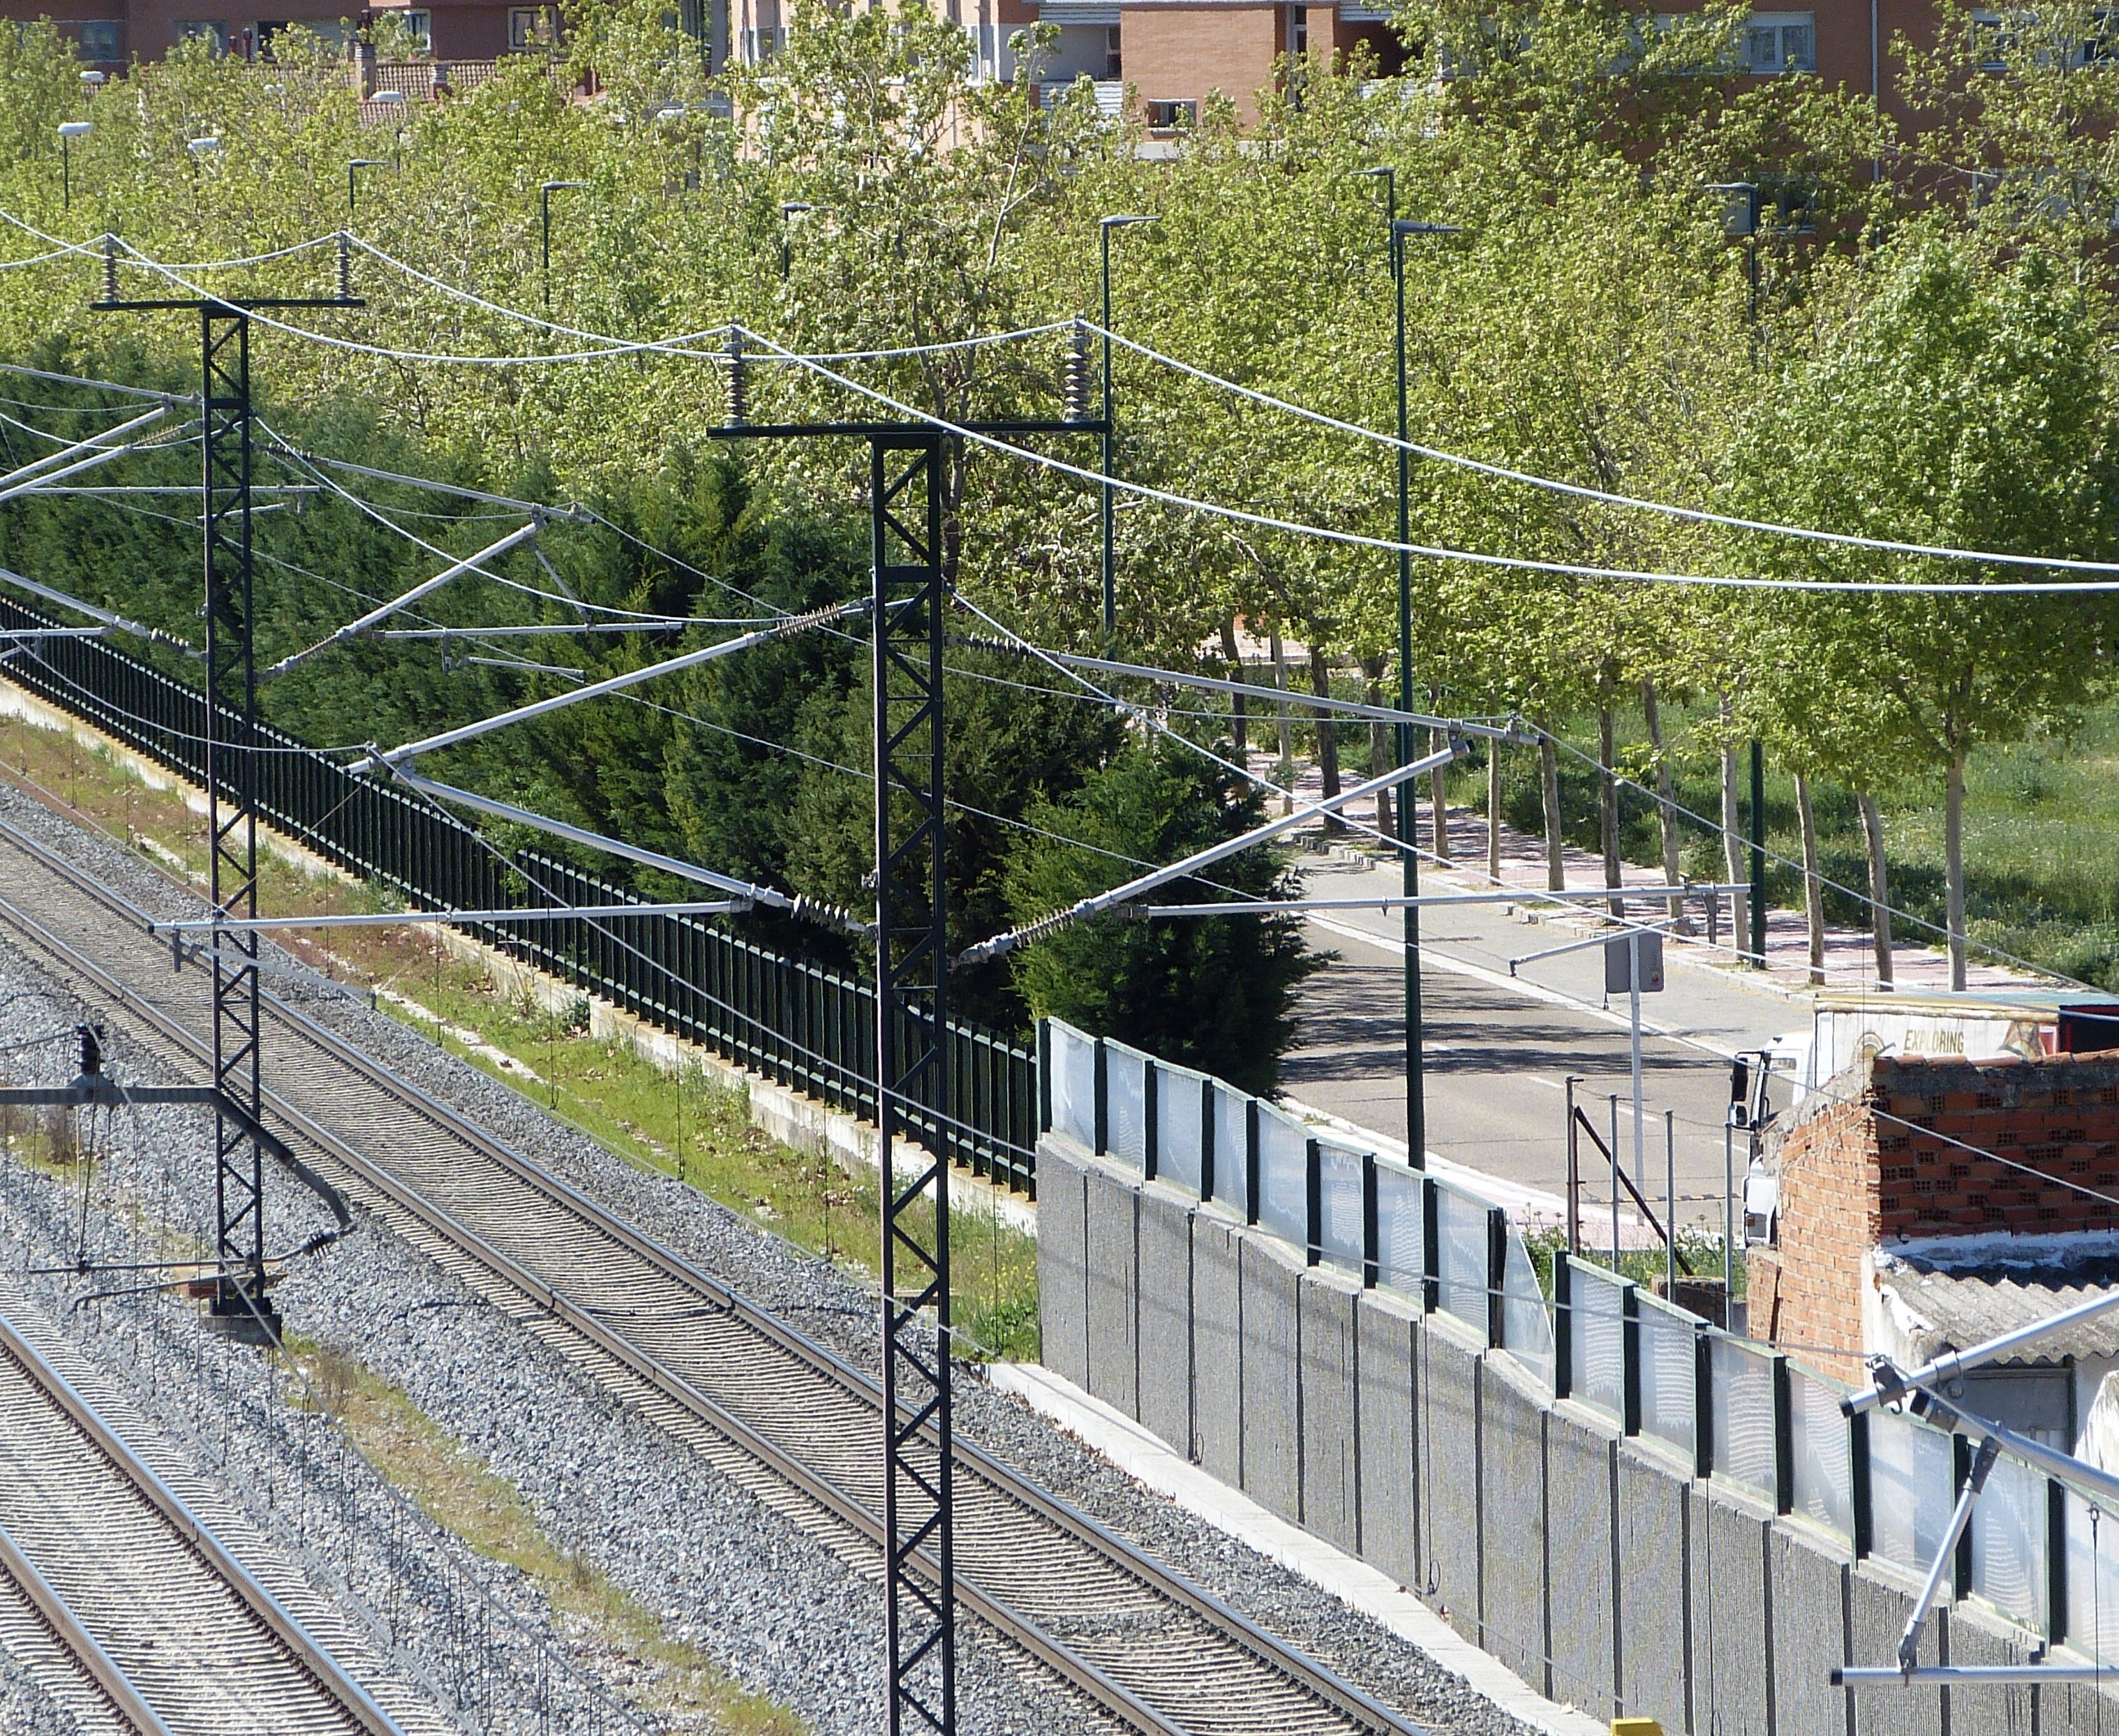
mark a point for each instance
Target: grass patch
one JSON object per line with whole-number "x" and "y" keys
{"x": 459, "y": 1491}
{"x": 1702, "y": 1251}
{"x": 2038, "y": 822}
{"x": 685, "y": 1125}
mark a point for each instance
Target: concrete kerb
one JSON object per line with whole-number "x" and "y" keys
{"x": 786, "y": 1115}
{"x": 1355, "y": 1583}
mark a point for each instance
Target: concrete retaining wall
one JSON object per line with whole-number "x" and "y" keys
{"x": 1596, "y": 1567}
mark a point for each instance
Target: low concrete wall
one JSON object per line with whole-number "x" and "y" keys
{"x": 1596, "y": 1567}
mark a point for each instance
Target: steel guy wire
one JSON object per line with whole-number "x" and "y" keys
{"x": 72, "y": 379}
{"x": 1345, "y": 820}
{"x": 94, "y": 249}
{"x": 1786, "y": 862}
{"x": 681, "y": 345}
{"x": 1356, "y": 539}
{"x": 376, "y": 513}
{"x": 816, "y": 362}
{"x": 1696, "y": 515}
{"x": 780, "y": 353}
{"x": 961, "y": 807}
{"x": 844, "y": 1070}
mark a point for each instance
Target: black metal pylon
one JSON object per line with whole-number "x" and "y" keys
{"x": 231, "y": 795}
{"x": 912, "y": 1057}
{"x": 231, "y": 770}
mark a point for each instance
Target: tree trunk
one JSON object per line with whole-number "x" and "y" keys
{"x": 1380, "y": 737}
{"x": 1880, "y": 890}
{"x": 1813, "y": 885}
{"x": 1666, "y": 805}
{"x": 1328, "y": 734}
{"x": 1732, "y": 835}
{"x": 1548, "y": 778}
{"x": 1953, "y": 850}
{"x": 1493, "y": 811}
{"x": 1239, "y": 720}
{"x": 1437, "y": 785}
{"x": 1286, "y": 729}
{"x": 1608, "y": 802}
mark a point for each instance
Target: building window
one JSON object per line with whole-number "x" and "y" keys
{"x": 210, "y": 31}
{"x": 420, "y": 26}
{"x": 1780, "y": 42}
{"x": 98, "y": 40}
{"x": 1169, "y": 116}
{"x": 527, "y": 28}
{"x": 1114, "y": 65}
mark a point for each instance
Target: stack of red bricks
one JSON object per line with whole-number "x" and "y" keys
{"x": 1915, "y": 1146}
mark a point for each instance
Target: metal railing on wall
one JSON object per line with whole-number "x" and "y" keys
{"x": 1727, "y": 1410}
{"x": 785, "y": 1018}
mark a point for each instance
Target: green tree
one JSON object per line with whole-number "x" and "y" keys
{"x": 1214, "y": 993}
{"x": 1957, "y": 399}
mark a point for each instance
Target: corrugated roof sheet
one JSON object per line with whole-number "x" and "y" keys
{"x": 1957, "y": 1310}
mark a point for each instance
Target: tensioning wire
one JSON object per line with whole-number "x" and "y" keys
{"x": 1356, "y": 539}
{"x": 1695, "y": 515}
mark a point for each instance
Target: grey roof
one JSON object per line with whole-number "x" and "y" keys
{"x": 1962, "y": 1310}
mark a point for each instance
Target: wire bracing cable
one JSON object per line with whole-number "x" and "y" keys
{"x": 1427, "y": 551}
{"x": 686, "y": 345}
{"x": 1865, "y": 898}
{"x": 1579, "y": 491}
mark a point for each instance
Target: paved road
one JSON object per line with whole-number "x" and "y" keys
{"x": 1498, "y": 1052}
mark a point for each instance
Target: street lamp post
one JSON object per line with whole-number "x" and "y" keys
{"x": 1416, "y": 1091}
{"x": 1740, "y": 222}
{"x": 352, "y": 168}
{"x": 545, "y": 189}
{"x": 1110, "y": 444}
{"x": 790, "y": 210}
{"x": 69, "y": 131}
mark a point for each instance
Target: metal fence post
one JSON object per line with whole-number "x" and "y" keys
{"x": 1371, "y": 1226}
{"x": 1629, "y": 1353}
{"x": 1562, "y": 1324}
{"x": 1206, "y": 1139}
{"x": 1103, "y": 1099}
{"x": 1313, "y": 1203}
{"x": 1250, "y": 1160}
{"x": 1430, "y": 1247}
{"x": 1784, "y": 1441}
{"x": 1702, "y": 1407}
{"x": 1044, "y": 1075}
{"x": 1150, "y": 1091}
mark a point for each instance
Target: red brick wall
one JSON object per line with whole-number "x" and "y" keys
{"x": 1179, "y": 54}
{"x": 1882, "y": 1164}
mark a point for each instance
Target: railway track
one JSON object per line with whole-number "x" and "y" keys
{"x": 785, "y": 1415}
{"x": 125, "y": 1604}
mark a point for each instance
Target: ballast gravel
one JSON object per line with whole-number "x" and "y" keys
{"x": 785, "y": 1617}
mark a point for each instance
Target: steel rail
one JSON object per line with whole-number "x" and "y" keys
{"x": 317, "y": 1665}
{"x": 74, "y": 1637}
{"x": 1346, "y": 1705}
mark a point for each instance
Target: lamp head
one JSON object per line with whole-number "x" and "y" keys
{"x": 561, "y": 186}
{"x": 203, "y": 147}
{"x": 76, "y": 129}
{"x": 1126, "y": 222}
{"x": 94, "y": 79}
{"x": 1404, "y": 226}
{"x": 1384, "y": 169}
{"x": 1740, "y": 211}
{"x": 368, "y": 162}
{"x": 795, "y": 207}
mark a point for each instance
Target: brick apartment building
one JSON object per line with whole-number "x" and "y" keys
{"x": 1893, "y": 1238}
{"x": 1172, "y": 53}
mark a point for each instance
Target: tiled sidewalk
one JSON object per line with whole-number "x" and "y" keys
{"x": 1849, "y": 953}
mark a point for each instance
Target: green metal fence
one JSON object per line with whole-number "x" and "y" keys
{"x": 790, "y": 1020}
